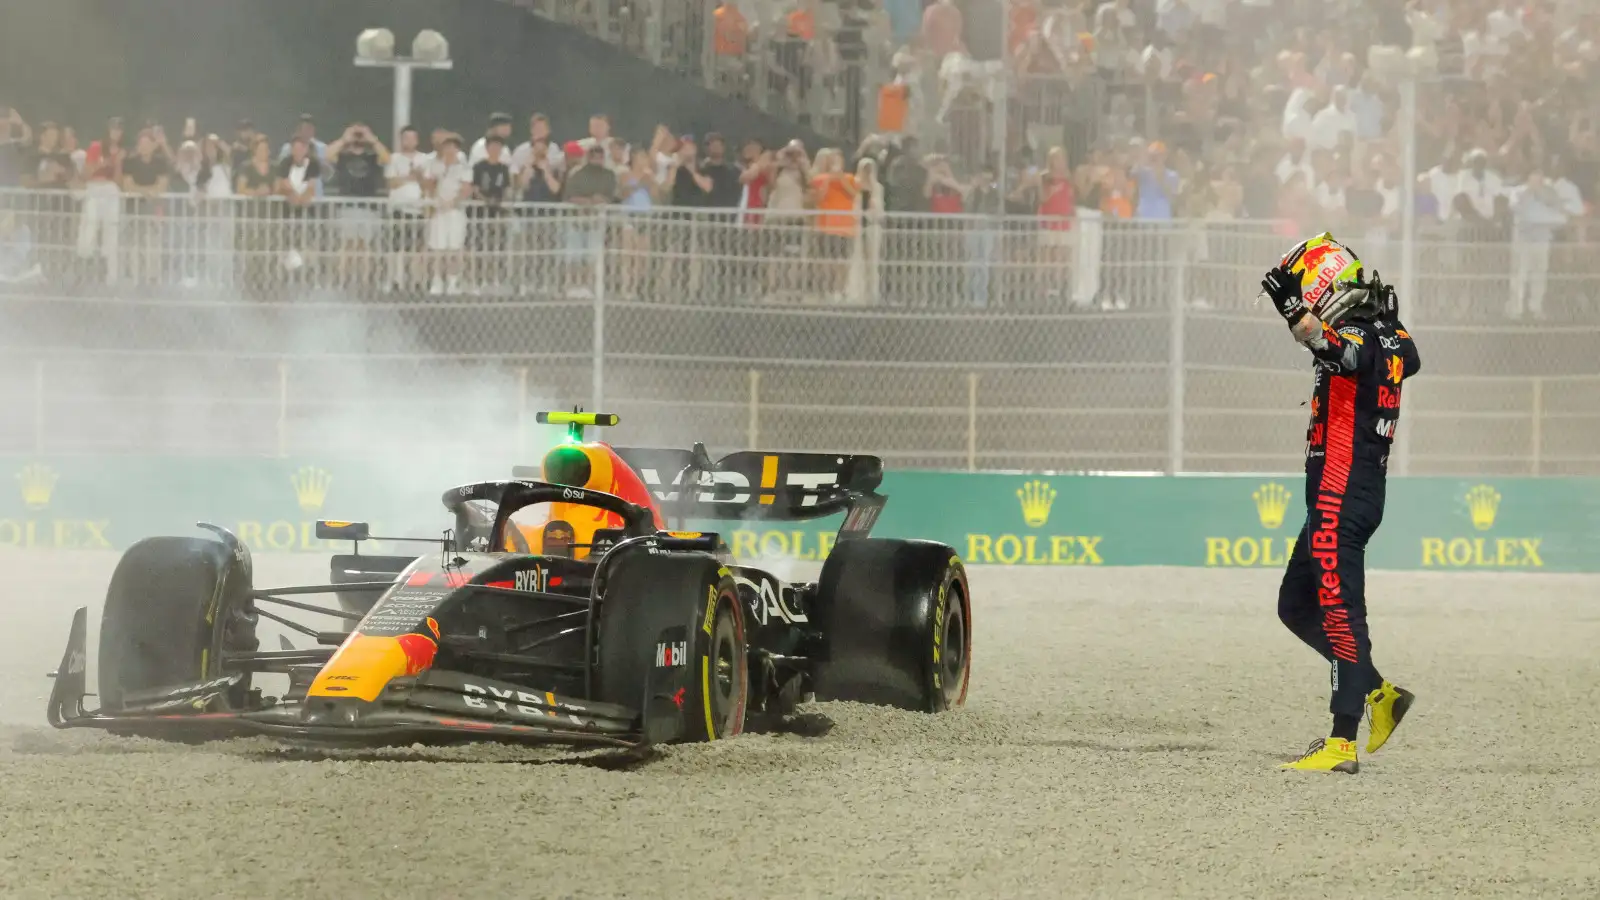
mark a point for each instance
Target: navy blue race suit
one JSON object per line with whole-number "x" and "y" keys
{"x": 1355, "y": 406}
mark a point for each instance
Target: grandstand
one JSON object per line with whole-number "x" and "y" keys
{"x": 1052, "y": 213}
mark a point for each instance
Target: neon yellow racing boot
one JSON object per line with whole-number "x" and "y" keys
{"x": 1327, "y": 755}
{"x": 1386, "y": 706}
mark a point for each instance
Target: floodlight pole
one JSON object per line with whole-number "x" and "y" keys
{"x": 403, "y": 67}
{"x": 1408, "y": 69}
{"x": 1002, "y": 108}
{"x": 1408, "y": 193}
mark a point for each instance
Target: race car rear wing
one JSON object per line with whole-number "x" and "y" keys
{"x": 757, "y": 485}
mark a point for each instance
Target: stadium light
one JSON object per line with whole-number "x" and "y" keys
{"x": 429, "y": 50}
{"x": 1406, "y": 68}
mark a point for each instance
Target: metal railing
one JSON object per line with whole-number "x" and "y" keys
{"x": 244, "y": 326}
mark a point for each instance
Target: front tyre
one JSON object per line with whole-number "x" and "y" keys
{"x": 724, "y": 673}
{"x": 175, "y": 606}
{"x": 672, "y": 643}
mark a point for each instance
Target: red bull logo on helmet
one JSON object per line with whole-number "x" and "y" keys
{"x": 1336, "y": 266}
{"x": 1323, "y": 264}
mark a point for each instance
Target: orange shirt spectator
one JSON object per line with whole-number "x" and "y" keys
{"x": 1024, "y": 20}
{"x": 836, "y": 197}
{"x": 802, "y": 24}
{"x": 941, "y": 28}
{"x": 1117, "y": 194}
{"x": 731, "y": 30}
{"x": 894, "y": 101}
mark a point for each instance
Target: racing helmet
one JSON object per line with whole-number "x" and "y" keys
{"x": 1333, "y": 281}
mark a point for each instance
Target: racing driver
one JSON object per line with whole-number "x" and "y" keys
{"x": 1362, "y": 355}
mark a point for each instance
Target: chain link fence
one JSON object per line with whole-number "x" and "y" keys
{"x": 245, "y": 325}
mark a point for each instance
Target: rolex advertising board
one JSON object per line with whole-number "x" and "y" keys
{"x": 1443, "y": 524}
{"x": 272, "y": 505}
{"x": 1265, "y": 543}
{"x": 36, "y": 517}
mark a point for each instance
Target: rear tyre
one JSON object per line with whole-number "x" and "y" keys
{"x": 175, "y": 604}
{"x": 895, "y": 618}
{"x": 672, "y": 643}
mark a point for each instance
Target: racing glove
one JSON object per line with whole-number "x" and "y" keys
{"x": 1282, "y": 287}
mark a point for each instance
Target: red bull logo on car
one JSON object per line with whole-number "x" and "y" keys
{"x": 365, "y": 664}
{"x": 419, "y": 650}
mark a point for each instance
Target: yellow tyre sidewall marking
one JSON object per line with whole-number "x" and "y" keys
{"x": 705, "y": 694}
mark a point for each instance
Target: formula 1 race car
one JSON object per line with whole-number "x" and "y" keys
{"x": 591, "y": 626}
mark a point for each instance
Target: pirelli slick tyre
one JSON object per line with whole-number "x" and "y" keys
{"x": 671, "y": 642}
{"x": 895, "y": 618}
{"x": 175, "y": 605}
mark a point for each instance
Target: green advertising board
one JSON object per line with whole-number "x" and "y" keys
{"x": 1513, "y": 524}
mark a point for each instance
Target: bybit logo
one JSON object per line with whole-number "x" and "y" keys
{"x": 1483, "y": 510}
{"x": 38, "y": 482}
{"x": 1272, "y": 501}
{"x": 311, "y": 487}
{"x": 1483, "y": 503}
{"x": 1037, "y": 498}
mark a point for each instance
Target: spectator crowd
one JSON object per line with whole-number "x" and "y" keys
{"x": 1057, "y": 148}
{"x": 1219, "y": 110}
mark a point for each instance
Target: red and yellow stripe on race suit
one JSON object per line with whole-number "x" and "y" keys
{"x": 593, "y": 466}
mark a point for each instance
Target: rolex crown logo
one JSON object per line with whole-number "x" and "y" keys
{"x": 1272, "y": 501}
{"x": 1036, "y": 497}
{"x": 310, "y": 487}
{"x": 1483, "y": 502}
{"x": 38, "y": 482}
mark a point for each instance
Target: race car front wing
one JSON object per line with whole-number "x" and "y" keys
{"x": 434, "y": 705}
